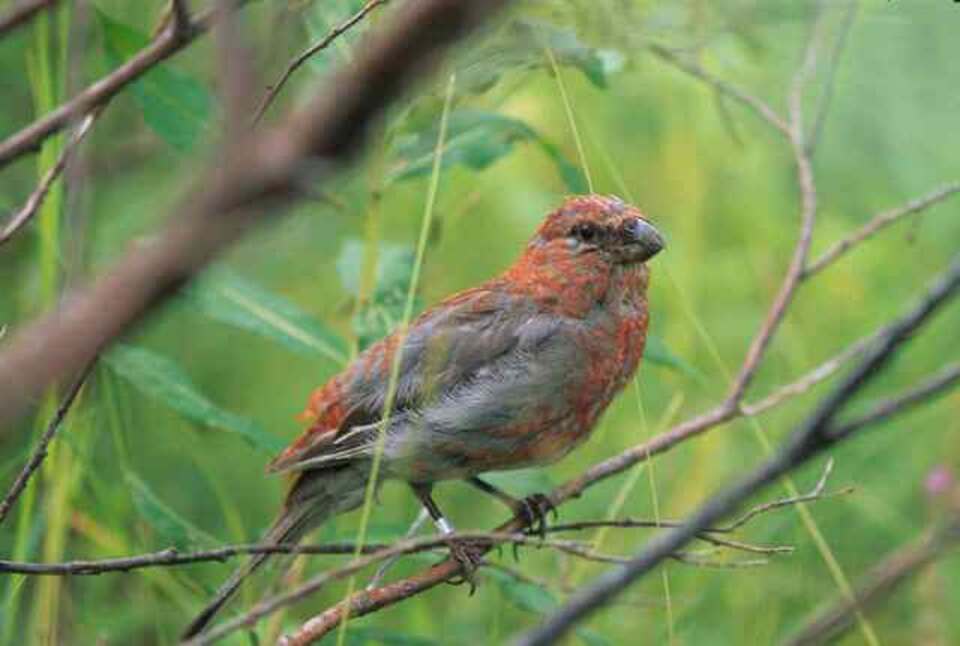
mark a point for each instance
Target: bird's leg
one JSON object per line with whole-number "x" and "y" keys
{"x": 532, "y": 510}
{"x": 468, "y": 558}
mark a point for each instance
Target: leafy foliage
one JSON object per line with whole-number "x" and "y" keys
{"x": 234, "y": 300}
{"x": 163, "y": 380}
{"x": 381, "y": 312}
{"x": 475, "y": 139}
{"x": 176, "y": 106}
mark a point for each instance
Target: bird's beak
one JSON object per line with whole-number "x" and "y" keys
{"x": 645, "y": 240}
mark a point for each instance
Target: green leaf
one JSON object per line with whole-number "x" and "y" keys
{"x": 394, "y": 267}
{"x": 524, "y": 595}
{"x": 170, "y": 527}
{"x": 163, "y": 380}
{"x": 521, "y": 45}
{"x": 174, "y": 105}
{"x": 231, "y": 299}
{"x": 475, "y": 140}
{"x": 592, "y": 637}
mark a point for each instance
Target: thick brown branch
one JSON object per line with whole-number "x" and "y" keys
{"x": 261, "y": 175}
{"x": 308, "y": 53}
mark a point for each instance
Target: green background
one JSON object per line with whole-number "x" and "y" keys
{"x": 169, "y": 444}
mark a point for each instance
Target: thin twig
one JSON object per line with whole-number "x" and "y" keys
{"x": 808, "y": 212}
{"x": 21, "y": 13}
{"x": 814, "y": 494}
{"x": 880, "y": 222}
{"x": 172, "y": 557}
{"x": 18, "y": 220}
{"x": 760, "y": 107}
{"x": 833, "y": 63}
{"x": 381, "y": 572}
{"x": 305, "y": 55}
{"x": 939, "y": 383}
{"x": 101, "y": 91}
{"x": 40, "y": 451}
{"x": 810, "y": 439}
{"x": 803, "y": 384}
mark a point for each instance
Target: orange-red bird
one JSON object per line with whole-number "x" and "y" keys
{"x": 509, "y": 374}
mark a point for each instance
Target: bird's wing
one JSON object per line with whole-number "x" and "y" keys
{"x": 481, "y": 359}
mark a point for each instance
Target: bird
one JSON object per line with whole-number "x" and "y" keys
{"x": 510, "y": 374}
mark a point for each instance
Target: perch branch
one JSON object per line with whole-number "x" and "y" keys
{"x": 810, "y": 439}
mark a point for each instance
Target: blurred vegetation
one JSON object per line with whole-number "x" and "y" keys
{"x": 168, "y": 446}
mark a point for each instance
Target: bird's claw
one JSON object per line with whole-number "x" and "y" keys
{"x": 533, "y": 512}
{"x": 469, "y": 556}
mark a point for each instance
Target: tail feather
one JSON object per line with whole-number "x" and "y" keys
{"x": 315, "y": 497}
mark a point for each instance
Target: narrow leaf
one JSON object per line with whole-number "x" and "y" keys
{"x": 174, "y": 105}
{"x": 657, "y": 352}
{"x": 162, "y": 379}
{"x": 171, "y": 528}
{"x": 231, "y": 299}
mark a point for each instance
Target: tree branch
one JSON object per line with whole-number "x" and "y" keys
{"x": 40, "y": 451}
{"x": 172, "y": 557}
{"x": 99, "y": 93}
{"x": 936, "y": 385}
{"x": 810, "y": 439}
{"x": 30, "y": 208}
{"x": 23, "y": 12}
{"x": 258, "y": 179}
{"x": 880, "y": 222}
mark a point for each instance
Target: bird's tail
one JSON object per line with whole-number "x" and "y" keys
{"x": 314, "y": 497}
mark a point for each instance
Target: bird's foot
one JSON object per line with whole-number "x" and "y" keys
{"x": 469, "y": 555}
{"x": 533, "y": 511}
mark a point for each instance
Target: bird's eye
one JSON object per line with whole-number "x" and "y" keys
{"x": 585, "y": 232}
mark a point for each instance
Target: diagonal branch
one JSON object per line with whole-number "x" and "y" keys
{"x": 256, "y": 181}
{"x": 880, "y": 222}
{"x": 99, "y": 93}
{"x": 40, "y": 451}
{"x": 30, "y": 208}
{"x": 934, "y": 386}
{"x": 22, "y": 12}
{"x": 810, "y": 439}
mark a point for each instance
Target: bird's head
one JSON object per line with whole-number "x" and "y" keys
{"x": 598, "y": 225}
